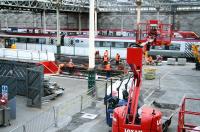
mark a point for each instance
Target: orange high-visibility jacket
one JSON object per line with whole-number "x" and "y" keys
{"x": 105, "y": 58}
{"x": 107, "y": 67}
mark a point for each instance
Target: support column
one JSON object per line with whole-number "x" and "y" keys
{"x": 44, "y": 22}
{"x": 58, "y": 30}
{"x": 96, "y": 22}
{"x": 158, "y": 13}
{"x": 34, "y": 21}
{"x": 170, "y": 18}
{"x": 122, "y": 23}
{"x": 91, "y": 73}
{"x": 6, "y": 20}
{"x": 79, "y": 23}
{"x": 138, "y": 3}
{"x": 173, "y": 10}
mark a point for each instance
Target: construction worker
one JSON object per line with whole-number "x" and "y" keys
{"x": 117, "y": 58}
{"x": 158, "y": 60}
{"x": 106, "y": 53}
{"x": 150, "y": 60}
{"x": 97, "y": 56}
{"x": 105, "y": 57}
{"x": 70, "y": 66}
{"x": 60, "y": 66}
{"x": 105, "y": 60}
{"x": 108, "y": 70}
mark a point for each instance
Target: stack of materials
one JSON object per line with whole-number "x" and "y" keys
{"x": 51, "y": 89}
{"x": 149, "y": 73}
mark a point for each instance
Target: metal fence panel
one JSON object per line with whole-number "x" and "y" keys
{"x": 35, "y": 86}
{"x": 16, "y": 70}
{"x": 41, "y": 122}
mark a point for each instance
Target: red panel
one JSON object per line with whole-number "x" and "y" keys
{"x": 134, "y": 56}
{"x": 153, "y": 21}
{"x": 49, "y": 67}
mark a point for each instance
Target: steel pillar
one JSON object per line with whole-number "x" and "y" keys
{"x": 158, "y": 13}
{"x": 44, "y": 21}
{"x": 6, "y": 20}
{"x": 96, "y": 21}
{"x": 139, "y": 4}
{"x": 122, "y": 23}
{"x": 174, "y": 11}
{"x": 79, "y": 23}
{"x": 91, "y": 71}
{"x": 58, "y": 30}
{"x": 34, "y": 21}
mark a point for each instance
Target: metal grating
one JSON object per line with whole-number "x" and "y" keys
{"x": 34, "y": 86}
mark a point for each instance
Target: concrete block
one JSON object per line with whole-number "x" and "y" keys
{"x": 181, "y": 61}
{"x": 171, "y": 61}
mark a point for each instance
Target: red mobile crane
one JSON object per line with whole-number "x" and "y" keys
{"x": 131, "y": 118}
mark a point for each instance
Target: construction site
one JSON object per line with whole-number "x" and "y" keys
{"x": 99, "y": 66}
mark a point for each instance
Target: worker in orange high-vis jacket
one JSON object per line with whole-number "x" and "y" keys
{"x": 105, "y": 60}
{"x": 107, "y": 68}
{"x": 70, "y": 66}
{"x": 97, "y": 56}
{"x": 105, "y": 57}
{"x": 106, "y": 53}
{"x": 117, "y": 58}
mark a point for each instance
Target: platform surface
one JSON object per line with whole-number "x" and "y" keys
{"x": 171, "y": 84}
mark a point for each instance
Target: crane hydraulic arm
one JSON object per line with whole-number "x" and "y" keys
{"x": 132, "y": 118}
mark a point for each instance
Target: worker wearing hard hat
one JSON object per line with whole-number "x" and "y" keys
{"x": 71, "y": 66}
{"x": 150, "y": 60}
{"x": 105, "y": 57}
{"x": 97, "y": 56}
{"x": 117, "y": 58}
{"x": 60, "y": 66}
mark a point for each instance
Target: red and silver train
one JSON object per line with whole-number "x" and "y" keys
{"x": 76, "y": 43}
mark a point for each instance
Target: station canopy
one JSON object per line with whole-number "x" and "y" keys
{"x": 101, "y": 5}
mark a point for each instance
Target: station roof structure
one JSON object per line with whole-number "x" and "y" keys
{"x": 101, "y": 5}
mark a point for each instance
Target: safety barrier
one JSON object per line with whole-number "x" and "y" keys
{"x": 59, "y": 114}
{"x": 72, "y": 50}
{"x": 22, "y": 54}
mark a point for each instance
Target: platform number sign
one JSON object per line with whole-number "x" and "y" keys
{"x": 4, "y": 91}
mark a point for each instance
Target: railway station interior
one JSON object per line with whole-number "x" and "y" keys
{"x": 99, "y": 65}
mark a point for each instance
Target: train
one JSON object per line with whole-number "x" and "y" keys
{"x": 114, "y": 42}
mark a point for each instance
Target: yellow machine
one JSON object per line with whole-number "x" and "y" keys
{"x": 196, "y": 50}
{"x": 10, "y": 43}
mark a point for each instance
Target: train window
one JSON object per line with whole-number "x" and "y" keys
{"x": 166, "y": 47}
{"x": 42, "y": 41}
{"x": 32, "y": 40}
{"x": 106, "y": 44}
{"x": 101, "y": 44}
{"x": 152, "y": 47}
{"x": 125, "y": 44}
{"x": 119, "y": 45}
{"x": 113, "y": 44}
{"x": 174, "y": 47}
{"x": 97, "y": 44}
{"x": 76, "y": 41}
{"x": 22, "y": 40}
{"x": 160, "y": 48}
